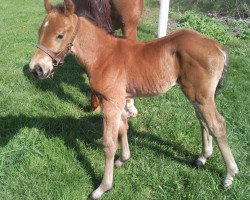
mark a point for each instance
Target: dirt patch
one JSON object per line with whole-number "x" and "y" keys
{"x": 172, "y": 25}
{"x": 229, "y": 21}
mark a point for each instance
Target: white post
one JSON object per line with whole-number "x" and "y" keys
{"x": 163, "y": 18}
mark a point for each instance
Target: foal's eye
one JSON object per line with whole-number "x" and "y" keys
{"x": 60, "y": 36}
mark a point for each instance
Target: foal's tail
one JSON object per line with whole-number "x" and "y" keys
{"x": 223, "y": 74}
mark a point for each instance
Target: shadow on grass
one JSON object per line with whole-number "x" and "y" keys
{"x": 70, "y": 73}
{"x": 69, "y": 129}
{"x": 88, "y": 130}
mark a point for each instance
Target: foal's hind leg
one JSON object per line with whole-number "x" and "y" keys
{"x": 207, "y": 146}
{"x": 125, "y": 152}
{"x": 216, "y": 127}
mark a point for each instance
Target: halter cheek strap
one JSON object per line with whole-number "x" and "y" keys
{"x": 57, "y": 58}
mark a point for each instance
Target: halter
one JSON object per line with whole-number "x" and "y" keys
{"x": 57, "y": 58}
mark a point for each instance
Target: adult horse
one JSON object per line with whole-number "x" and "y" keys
{"x": 112, "y": 15}
{"x": 119, "y": 68}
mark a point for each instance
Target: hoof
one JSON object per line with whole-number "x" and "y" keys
{"x": 99, "y": 192}
{"x": 118, "y": 163}
{"x": 200, "y": 162}
{"x": 90, "y": 197}
{"x": 228, "y": 182}
{"x": 131, "y": 111}
{"x": 132, "y": 114}
{"x": 229, "y": 178}
{"x": 96, "y": 194}
{"x": 121, "y": 160}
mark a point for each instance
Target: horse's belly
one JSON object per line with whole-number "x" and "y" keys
{"x": 150, "y": 89}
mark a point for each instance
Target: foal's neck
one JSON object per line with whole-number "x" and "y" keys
{"x": 91, "y": 43}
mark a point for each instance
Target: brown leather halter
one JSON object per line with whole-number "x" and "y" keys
{"x": 57, "y": 58}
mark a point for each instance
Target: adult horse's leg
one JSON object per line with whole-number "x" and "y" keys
{"x": 130, "y": 108}
{"x": 129, "y": 29}
{"x": 123, "y": 130}
{"x": 95, "y": 103}
{"x": 207, "y": 146}
{"x": 111, "y": 118}
{"x": 131, "y": 12}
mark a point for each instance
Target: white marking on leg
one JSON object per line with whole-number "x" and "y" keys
{"x": 229, "y": 178}
{"x": 208, "y": 151}
{"x": 130, "y": 108}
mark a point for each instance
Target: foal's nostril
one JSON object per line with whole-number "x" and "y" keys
{"x": 38, "y": 70}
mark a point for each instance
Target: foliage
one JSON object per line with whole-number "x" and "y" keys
{"x": 206, "y": 25}
{"x": 218, "y": 30}
{"x": 243, "y": 28}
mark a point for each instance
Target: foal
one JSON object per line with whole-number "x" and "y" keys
{"x": 119, "y": 68}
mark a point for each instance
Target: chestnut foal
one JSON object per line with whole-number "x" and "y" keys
{"x": 113, "y": 14}
{"x": 119, "y": 68}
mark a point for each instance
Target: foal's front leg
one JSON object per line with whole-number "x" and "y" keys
{"x": 123, "y": 134}
{"x": 111, "y": 120}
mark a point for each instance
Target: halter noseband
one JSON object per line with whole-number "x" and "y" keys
{"x": 57, "y": 58}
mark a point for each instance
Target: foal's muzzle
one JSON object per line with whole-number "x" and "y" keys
{"x": 40, "y": 73}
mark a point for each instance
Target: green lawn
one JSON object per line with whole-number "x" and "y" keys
{"x": 51, "y": 145}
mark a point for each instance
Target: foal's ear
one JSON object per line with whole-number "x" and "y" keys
{"x": 48, "y": 5}
{"x": 69, "y": 7}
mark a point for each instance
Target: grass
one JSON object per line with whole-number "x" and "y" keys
{"x": 51, "y": 146}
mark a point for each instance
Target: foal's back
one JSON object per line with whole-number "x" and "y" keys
{"x": 185, "y": 56}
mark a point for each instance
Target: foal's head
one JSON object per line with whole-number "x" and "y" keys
{"x": 55, "y": 34}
